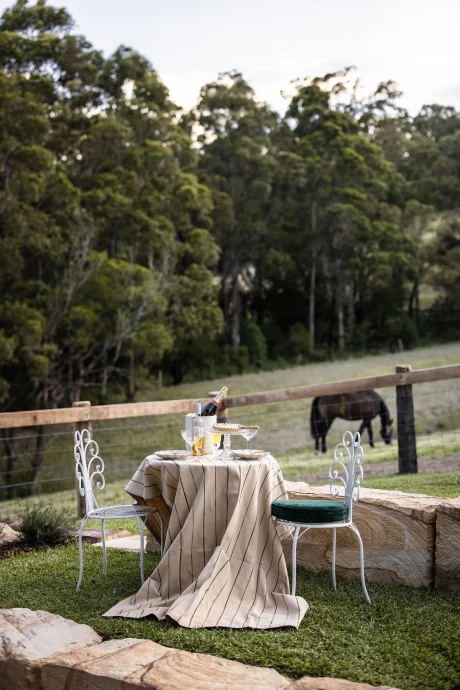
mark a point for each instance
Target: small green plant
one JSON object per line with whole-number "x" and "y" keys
{"x": 45, "y": 525}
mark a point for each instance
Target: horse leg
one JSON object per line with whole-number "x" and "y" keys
{"x": 368, "y": 424}
{"x": 317, "y": 445}
{"x": 326, "y": 427}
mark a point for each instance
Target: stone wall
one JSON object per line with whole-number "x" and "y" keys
{"x": 42, "y": 651}
{"x": 447, "y": 570}
{"x": 409, "y": 539}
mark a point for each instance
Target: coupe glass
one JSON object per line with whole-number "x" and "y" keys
{"x": 248, "y": 433}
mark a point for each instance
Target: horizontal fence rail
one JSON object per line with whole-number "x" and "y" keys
{"x": 66, "y": 415}
{"x": 36, "y": 447}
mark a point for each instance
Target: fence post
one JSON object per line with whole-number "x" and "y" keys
{"x": 407, "y": 442}
{"x": 79, "y": 426}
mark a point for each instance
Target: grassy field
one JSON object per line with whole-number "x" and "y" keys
{"x": 284, "y": 427}
{"x": 446, "y": 485}
{"x": 407, "y": 638}
{"x": 434, "y": 356}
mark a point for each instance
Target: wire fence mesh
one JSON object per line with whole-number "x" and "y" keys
{"x": 37, "y": 464}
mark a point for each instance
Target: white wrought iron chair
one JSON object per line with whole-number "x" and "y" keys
{"x": 90, "y": 466}
{"x": 304, "y": 515}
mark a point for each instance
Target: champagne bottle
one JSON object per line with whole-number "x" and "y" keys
{"x": 210, "y": 408}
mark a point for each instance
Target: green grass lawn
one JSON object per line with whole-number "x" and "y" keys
{"x": 446, "y": 485}
{"x": 407, "y": 638}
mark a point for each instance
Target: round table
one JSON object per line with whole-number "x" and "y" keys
{"x": 223, "y": 563}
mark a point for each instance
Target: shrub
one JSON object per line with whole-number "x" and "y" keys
{"x": 299, "y": 340}
{"x": 401, "y": 328}
{"x": 255, "y": 341}
{"x": 45, "y": 525}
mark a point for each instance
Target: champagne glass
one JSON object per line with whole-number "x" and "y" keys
{"x": 216, "y": 439}
{"x": 248, "y": 432}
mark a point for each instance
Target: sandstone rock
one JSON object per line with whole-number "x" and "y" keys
{"x": 308, "y": 683}
{"x": 28, "y": 637}
{"x": 8, "y": 535}
{"x": 448, "y": 545}
{"x": 104, "y": 666}
{"x": 398, "y": 533}
{"x": 130, "y": 664}
{"x": 204, "y": 672}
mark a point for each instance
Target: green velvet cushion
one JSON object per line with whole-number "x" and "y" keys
{"x": 309, "y": 511}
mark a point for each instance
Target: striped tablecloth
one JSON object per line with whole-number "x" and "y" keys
{"x": 223, "y": 564}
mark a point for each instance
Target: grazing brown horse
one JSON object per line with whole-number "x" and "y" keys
{"x": 363, "y": 405}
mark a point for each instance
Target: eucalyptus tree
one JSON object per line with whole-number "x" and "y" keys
{"x": 238, "y": 163}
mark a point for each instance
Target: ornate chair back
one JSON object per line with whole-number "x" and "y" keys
{"x": 350, "y": 453}
{"x": 89, "y": 468}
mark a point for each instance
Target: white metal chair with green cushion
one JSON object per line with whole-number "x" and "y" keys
{"x": 303, "y": 515}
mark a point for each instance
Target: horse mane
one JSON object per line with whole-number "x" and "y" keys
{"x": 314, "y": 418}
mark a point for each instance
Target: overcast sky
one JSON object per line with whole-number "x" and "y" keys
{"x": 414, "y": 42}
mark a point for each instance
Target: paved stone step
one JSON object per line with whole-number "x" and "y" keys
{"x": 131, "y": 543}
{"x": 95, "y": 535}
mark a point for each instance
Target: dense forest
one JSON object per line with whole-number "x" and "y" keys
{"x": 137, "y": 238}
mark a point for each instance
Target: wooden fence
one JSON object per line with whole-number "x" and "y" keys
{"x": 82, "y": 414}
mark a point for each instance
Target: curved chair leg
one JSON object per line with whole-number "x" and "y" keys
{"x": 334, "y": 548}
{"x": 294, "y": 559}
{"x": 104, "y": 551}
{"x": 361, "y": 561}
{"x": 80, "y": 550}
{"x": 141, "y": 531}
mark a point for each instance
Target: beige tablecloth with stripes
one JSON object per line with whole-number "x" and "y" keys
{"x": 223, "y": 564}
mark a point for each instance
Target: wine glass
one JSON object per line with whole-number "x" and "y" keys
{"x": 248, "y": 432}
{"x": 195, "y": 436}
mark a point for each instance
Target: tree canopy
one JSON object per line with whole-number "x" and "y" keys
{"x": 137, "y": 238}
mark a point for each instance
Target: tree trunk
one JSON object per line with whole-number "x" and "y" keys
{"x": 414, "y": 297}
{"x": 236, "y": 310}
{"x": 131, "y": 393}
{"x": 340, "y": 326}
{"x": 312, "y": 295}
{"x": 351, "y": 307}
{"x": 311, "y": 305}
{"x": 259, "y": 310}
{"x": 103, "y": 393}
{"x": 179, "y": 369}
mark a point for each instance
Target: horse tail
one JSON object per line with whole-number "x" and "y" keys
{"x": 314, "y": 418}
